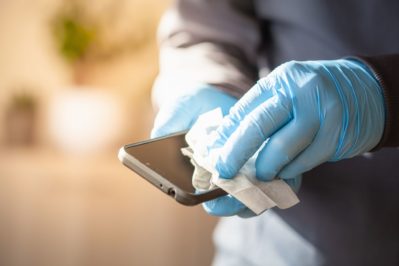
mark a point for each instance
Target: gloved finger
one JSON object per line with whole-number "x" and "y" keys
{"x": 258, "y": 94}
{"x": 181, "y": 113}
{"x": 256, "y": 127}
{"x": 315, "y": 154}
{"x": 223, "y": 206}
{"x": 283, "y": 146}
{"x": 171, "y": 119}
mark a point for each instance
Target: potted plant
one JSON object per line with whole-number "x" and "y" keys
{"x": 74, "y": 36}
{"x": 20, "y": 119}
{"x": 83, "y": 117}
{"x": 85, "y": 36}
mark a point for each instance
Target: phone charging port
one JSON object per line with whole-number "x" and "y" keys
{"x": 171, "y": 192}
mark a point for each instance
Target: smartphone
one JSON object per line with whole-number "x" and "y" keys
{"x": 160, "y": 162}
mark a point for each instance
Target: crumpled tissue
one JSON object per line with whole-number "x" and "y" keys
{"x": 257, "y": 195}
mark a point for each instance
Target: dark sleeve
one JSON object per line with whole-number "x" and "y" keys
{"x": 386, "y": 70}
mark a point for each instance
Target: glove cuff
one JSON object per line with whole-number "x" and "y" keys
{"x": 385, "y": 70}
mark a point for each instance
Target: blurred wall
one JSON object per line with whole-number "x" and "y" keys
{"x": 71, "y": 208}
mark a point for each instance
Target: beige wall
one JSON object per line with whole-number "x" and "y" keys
{"x": 76, "y": 209}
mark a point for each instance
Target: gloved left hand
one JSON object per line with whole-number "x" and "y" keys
{"x": 310, "y": 112}
{"x": 180, "y": 113}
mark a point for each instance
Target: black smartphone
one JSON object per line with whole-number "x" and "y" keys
{"x": 161, "y": 162}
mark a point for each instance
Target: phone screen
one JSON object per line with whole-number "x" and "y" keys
{"x": 164, "y": 157}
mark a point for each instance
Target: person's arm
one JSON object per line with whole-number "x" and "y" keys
{"x": 386, "y": 69}
{"x": 206, "y": 42}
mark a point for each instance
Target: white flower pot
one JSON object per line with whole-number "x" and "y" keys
{"x": 84, "y": 120}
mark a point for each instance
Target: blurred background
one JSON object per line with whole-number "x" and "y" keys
{"x": 75, "y": 81}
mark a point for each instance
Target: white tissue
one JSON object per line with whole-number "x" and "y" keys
{"x": 257, "y": 195}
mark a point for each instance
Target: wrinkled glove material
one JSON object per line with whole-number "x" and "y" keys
{"x": 309, "y": 113}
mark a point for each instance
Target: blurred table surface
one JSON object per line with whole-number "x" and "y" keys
{"x": 77, "y": 210}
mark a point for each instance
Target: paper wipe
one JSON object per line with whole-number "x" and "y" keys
{"x": 257, "y": 195}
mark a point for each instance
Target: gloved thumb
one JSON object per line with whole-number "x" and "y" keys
{"x": 171, "y": 118}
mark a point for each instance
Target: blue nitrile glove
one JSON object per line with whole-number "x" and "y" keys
{"x": 310, "y": 112}
{"x": 182, "y": 112}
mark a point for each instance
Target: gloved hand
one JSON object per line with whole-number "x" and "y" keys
{"x": 181, "y": 113}
{"x": 310, "y": 112}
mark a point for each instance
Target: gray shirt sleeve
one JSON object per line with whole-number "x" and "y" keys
{"x": 206, "y": 42}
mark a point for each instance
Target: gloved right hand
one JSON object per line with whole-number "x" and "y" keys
{"x": 180, "y": 114}
{"x": 310, "y": 112}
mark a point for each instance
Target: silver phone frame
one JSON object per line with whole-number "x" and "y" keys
{"x": 163, "y": 184}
